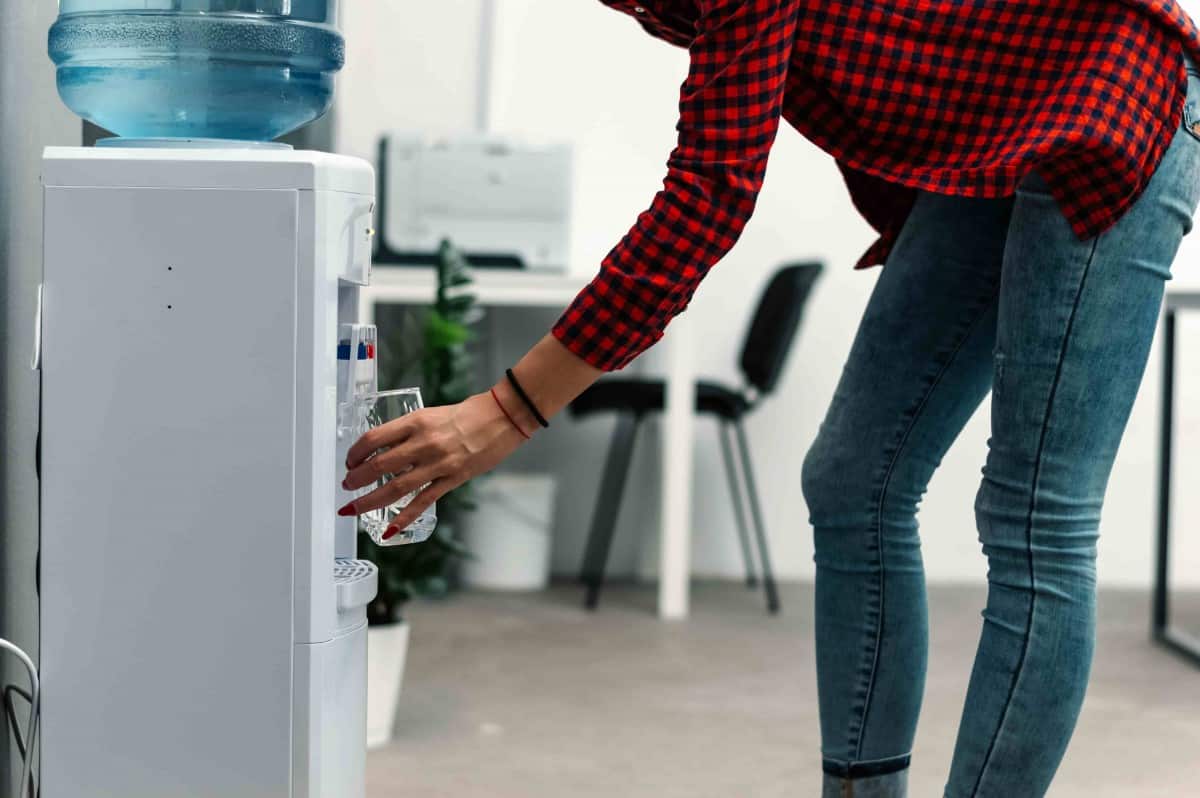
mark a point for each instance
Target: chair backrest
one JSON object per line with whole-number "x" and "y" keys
{"x": 774, "y": 324}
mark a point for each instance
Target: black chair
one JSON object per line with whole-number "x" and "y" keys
{"x": 764, "y": 353}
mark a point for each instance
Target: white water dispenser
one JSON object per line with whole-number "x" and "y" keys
{"x": 203, "y": 627}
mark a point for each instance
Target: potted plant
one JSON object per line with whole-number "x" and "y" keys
{"x": 442, "y": 364}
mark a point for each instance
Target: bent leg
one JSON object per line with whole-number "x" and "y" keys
{"x": 920, "y": 365}
{"x": 1076, "y": 320}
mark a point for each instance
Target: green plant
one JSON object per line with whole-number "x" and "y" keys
{"x": 443, "y": 364}
{"x": 447, "y": 363}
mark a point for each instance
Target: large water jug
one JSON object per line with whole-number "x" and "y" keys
{"x": 226, "y": 69}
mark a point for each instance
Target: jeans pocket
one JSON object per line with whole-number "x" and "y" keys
{"x": 1191, "y": 106}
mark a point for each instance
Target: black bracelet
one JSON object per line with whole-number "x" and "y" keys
{"x": 512, "y": 378}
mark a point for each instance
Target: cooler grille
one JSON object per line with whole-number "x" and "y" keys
{"x": 346, "y": 571}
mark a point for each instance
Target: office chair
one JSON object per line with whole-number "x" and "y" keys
{"x": 766, "y": 347}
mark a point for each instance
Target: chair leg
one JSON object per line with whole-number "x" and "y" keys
{"x": 735, "y": 492}
{"x": 759, "y": 527}
{"x": 608, "y": 505}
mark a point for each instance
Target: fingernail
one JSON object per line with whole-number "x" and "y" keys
{"x": 347, "y": 510}
{"x": 391, "y": 532}
{"x": 346, "y": 483}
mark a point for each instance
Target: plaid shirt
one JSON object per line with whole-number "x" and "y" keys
{"x": 960, "y": 97}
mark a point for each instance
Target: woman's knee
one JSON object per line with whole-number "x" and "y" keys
{"x": 819, "y": 481}
{"x": 838, "y": 488}
{"x": 848, "y": 484}
{"x": 1044, "y": 544}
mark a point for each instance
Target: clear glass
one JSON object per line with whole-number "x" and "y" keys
{"x": 376, "y": 409}
{"x": 249, "y": 70}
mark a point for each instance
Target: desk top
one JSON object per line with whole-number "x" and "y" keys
{"x": 495, "y": 287}
{"x": 522, "y": 288}
{"x": 1186, "y": 300}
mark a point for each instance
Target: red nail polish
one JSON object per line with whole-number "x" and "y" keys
{"x": 347, "y": 510}
{"x": 390, "y": 532}
{"x": 346, "y": 483}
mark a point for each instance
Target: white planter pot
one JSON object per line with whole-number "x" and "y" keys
{"x": 387, "y": 649}
{"x": 508, "y": 533}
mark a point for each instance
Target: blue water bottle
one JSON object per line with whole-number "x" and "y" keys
{"x": 248, "y": 70}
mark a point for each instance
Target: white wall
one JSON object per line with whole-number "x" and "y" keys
{"x": 579, "y": 70}
{"x": 408, "y": 66}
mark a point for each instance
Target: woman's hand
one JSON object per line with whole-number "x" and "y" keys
{"x": 438, "y": 447}
{"x": 443, "y": 447}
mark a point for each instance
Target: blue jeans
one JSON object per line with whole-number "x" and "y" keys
{"x": 983, "y": 295}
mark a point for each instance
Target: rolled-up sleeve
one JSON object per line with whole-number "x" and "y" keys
{"x": 729, "y": 114}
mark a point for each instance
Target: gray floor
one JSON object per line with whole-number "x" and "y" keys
{"x": 529, "y": 696}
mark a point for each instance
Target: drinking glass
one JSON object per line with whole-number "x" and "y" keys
{"x": 375, "y": 409}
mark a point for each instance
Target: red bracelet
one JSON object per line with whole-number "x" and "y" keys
{"x": 506, "y": 415}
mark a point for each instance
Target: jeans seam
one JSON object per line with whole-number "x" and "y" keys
{"x": 1037, "y": 472}
{"x": 862, "y": 726}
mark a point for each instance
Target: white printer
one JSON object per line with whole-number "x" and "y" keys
{"x": 502, "y": 201}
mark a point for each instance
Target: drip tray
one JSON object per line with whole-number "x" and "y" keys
{"x": 356, "y": 581}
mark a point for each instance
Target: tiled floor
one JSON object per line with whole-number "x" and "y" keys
{"x": 529, "y": 696}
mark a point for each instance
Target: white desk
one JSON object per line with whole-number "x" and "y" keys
{"x": 511, "y": 288}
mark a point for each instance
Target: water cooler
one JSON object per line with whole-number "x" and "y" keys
{"x": 203, "y": 629}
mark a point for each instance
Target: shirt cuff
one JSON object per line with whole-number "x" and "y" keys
{"x": 591, "y": 332}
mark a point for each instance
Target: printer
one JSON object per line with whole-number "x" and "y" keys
{"x": 502, "y": 201}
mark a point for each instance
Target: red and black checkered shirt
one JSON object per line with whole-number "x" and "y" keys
{"x": 959, "y": 97}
